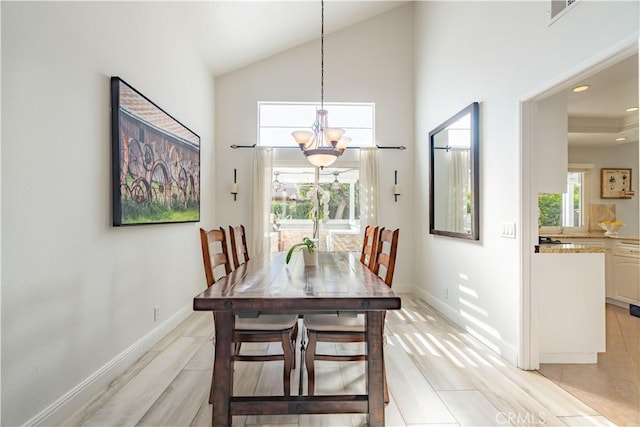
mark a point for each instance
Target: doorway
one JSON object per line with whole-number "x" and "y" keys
{"x": 531, "y": 126}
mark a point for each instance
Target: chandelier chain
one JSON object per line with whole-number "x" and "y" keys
{"x": 322, "y": 58}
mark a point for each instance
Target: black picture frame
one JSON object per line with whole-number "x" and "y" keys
{"x": 155, "y": 162}
{"x": 439, "y": 191}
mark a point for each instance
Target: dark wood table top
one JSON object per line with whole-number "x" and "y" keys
{"x": 266, "y": 284}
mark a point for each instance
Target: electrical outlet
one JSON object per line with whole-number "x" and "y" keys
{"x": 156, "y": 313}
{"x": 445, "y": 293}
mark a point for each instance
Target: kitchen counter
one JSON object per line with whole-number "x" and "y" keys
{"x": 570, "y": 248}
{"x": 590, "y": 235}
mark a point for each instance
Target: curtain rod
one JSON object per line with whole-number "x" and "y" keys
{"x": 397, "y": 147}
{"x": 448, "y": 147}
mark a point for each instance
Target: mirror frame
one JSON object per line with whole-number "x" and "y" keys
{"x": 473, "y": 110}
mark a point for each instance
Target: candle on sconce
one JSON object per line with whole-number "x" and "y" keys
{"x": 396, "y": 187}
{"x": 234, "y": 186}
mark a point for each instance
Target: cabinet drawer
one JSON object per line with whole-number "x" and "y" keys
{"x": 627, "y": 249}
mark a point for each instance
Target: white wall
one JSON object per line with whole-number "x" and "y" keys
{"x": 368, "y": 62}
{"x": 77, "y": 292}
{"x": 621, "y": 156}
{"x": 495, "y": 53}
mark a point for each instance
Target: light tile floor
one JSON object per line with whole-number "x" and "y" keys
{"x": 612, "y": 386}
{"x": 438, "y": 375}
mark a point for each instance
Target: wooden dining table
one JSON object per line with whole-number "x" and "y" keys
{"x": 339, "y": 283}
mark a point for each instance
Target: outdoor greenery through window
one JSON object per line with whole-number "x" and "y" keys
{"x": 292, "y": 203}
{"x": 565, "y": 209}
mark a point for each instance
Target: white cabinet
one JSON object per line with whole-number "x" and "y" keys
{"x": 608, "y": 266}
{"x": 622, "y": 267}
{"x": 550, "y": 158}
{"x": 626, "y": 272}
{"x": 570, "y": 316}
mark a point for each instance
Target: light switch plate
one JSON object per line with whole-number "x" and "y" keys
{"x": 508, "y": 230}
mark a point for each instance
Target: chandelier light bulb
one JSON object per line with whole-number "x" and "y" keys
{"x": 302, "y": 137}
{"x": 342, "y": 144}
{"x": 335, "y": 185}
{"x": 333, "y": 135}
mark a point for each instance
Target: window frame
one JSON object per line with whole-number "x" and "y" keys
{"x": 307, "y": 125}
{"x": 587, "y": 186}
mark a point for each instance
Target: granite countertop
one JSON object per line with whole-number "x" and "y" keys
{"x": 590, "y": 235}
{"x": 570, "y": 248}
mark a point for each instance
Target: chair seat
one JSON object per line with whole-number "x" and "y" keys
{"x": 334, "y": 322}
{"x": 266, "y": 322}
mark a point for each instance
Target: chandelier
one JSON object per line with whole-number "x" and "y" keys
{"x": 322, "y": 145}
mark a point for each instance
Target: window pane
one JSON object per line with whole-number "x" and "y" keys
{"x": 279, "y": 137}
{"x": 291, "y": 207}
{"x": 276, "y": 121}
{"x": 287, "y": 115}
{"x": 566, "y": 209}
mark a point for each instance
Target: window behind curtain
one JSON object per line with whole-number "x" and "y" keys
{"x": 291, "y": 208}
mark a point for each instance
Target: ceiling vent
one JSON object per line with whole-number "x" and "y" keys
{"x": 558, "y": 8}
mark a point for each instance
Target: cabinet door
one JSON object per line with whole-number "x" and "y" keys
{"x": 602, "y": 243}
{"x": 626, "y": 279}
{"x": 550, "y": 158}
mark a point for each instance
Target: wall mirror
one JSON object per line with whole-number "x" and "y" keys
{"x": 453, "y": 180}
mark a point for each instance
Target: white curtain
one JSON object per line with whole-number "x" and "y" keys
{"x": 261, "y": 195}
{"x": 369, "y": 187}
{"x": 459, "y": 180}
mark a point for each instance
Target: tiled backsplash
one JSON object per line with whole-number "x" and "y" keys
{"x": 599, "y": 213}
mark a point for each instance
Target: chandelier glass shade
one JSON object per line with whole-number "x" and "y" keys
{"x": 322, "y": 145}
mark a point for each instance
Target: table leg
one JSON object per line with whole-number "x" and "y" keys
{"x": 223, "y": 368}
{"x": 375, "y": 375}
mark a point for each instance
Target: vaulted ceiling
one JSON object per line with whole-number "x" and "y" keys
{"x": 232, "y": 34}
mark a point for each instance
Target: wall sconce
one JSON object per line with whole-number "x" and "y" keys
{"x": 234, "y": 186}
{"x": 396, "y": 187}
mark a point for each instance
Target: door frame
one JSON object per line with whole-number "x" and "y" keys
{"x": 528, "y": 353}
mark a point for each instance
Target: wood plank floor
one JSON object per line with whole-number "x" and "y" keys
{"x": 438, "y": 376}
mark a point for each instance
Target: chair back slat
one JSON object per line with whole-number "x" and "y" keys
{"x": 238, "y": 245}
{"x": 213, "y": 256}
{"x": 369, "y": 243}
{"x": 386, "y": 253}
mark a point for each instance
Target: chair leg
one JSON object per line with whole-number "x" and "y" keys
{"x": 211, "y": 392}
{"x": 386, "y": 386}
{"x": 309, "y": 361}
{"x": 294, "y": 338}
{"x": 288, "y": 361}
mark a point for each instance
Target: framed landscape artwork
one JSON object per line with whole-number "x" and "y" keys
{"x": 156, "y": 162}
{"x": 615, "y": 183}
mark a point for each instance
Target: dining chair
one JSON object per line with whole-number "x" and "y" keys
{"x": 338, "y": 328}
{"x": 238, "y": 242}
{"x": 264, "y": 328}
{"x": 369, "y": 242}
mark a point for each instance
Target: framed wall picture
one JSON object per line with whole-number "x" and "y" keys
{"x": 156, "y": 162}
{"x": 615, "y": 183}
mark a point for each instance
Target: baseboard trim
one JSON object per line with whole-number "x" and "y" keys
{"x": 617, "y": 303}
{"x": 501, "y": 348}
{"x": 573, "y": 358}
{"x": 402, "y": 288}
{"x": 63, "y": 408}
